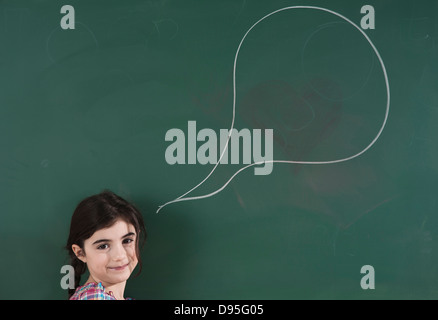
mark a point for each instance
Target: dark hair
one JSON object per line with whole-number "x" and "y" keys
{"x": 98, "y": 212}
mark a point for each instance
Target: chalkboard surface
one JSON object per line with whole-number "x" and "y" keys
{"x": 89, "y": 108}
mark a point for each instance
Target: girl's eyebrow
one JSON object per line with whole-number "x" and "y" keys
{"x": 129, "y": 234}
{"x": 107, "y": 240}
{"x": 101, "y": 240}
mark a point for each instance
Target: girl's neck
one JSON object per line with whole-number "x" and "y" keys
{"x": 117, "y": 289}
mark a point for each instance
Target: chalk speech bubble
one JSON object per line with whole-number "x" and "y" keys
{"x": 183, "y": 196}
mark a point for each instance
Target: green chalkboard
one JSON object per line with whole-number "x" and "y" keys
{"x": 352, "y": 101}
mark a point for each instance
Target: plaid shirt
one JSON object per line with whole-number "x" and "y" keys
{"x": 93, "y": 291}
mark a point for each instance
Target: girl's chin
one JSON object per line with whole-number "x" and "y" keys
{"x": 119, "y": 275}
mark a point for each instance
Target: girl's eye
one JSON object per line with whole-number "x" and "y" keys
{"x": 125, "y": 241}
{"x": 103, "y": 246}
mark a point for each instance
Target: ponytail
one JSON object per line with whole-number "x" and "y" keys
{"x": 79, "y": 268}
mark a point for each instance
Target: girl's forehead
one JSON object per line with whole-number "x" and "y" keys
{"x": 115, "y": 232}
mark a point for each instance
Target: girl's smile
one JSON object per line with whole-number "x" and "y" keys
{"x": 120, "y": 268}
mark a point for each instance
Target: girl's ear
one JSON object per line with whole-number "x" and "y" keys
{"x": 79, "y": 252}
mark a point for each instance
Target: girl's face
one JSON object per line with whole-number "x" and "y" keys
{"x": 110, "y": 253}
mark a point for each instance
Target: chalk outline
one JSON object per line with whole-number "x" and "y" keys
{"x": 181, "y": 198}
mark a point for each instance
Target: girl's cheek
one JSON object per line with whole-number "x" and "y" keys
{"x": 101, "y": 258}
{"x": 131, "y": 253}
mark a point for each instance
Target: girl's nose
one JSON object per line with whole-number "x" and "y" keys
{"x": 118, "y": 253}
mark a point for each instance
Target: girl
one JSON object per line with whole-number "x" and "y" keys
{"x": 106, "y": 234}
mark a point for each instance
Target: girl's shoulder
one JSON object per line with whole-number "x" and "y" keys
{"x": 92, "y": 291}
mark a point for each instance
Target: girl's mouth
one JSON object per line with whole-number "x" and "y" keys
{"x": 119, "y": 268}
